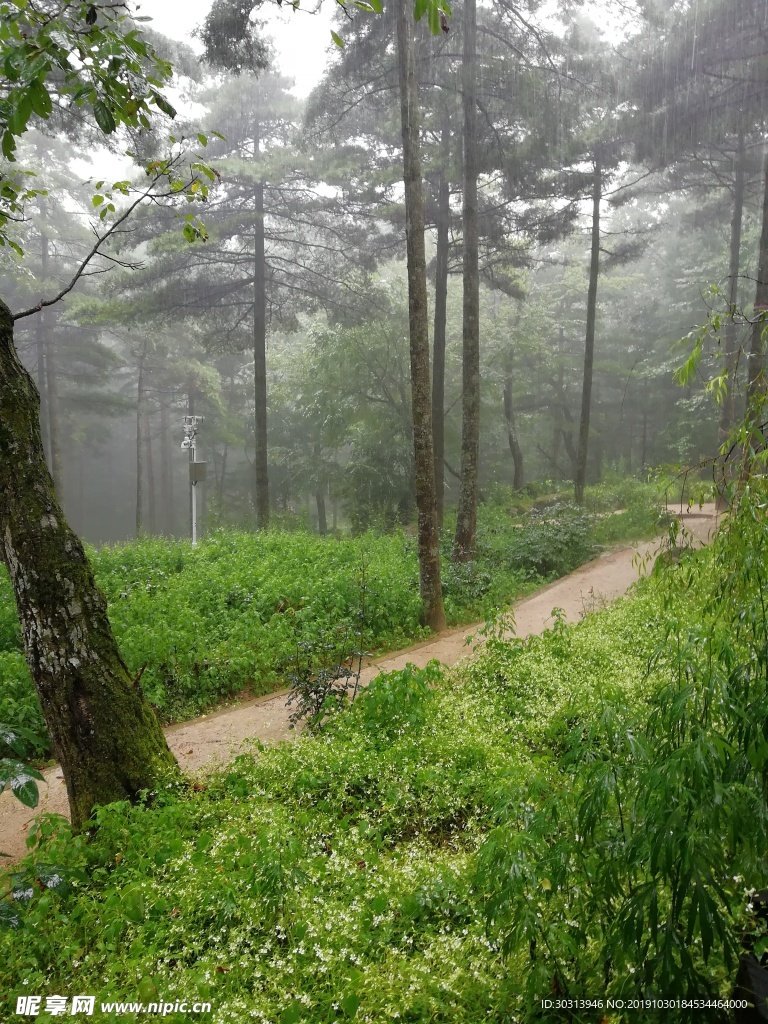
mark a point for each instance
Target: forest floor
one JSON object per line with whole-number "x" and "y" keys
{"x": 215, "y": 738}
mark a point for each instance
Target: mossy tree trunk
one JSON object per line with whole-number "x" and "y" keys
{"x": 421, "y": 400}
{"x": 104, "y": 734}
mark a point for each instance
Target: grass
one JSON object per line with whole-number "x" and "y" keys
{"x": 448, "y": 850}
{"x": 210, "y": 624}
{"x": 335, "y": 877}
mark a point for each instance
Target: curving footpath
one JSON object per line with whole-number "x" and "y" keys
{"x": 217, "y": 737}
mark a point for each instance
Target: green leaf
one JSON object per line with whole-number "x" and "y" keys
{"x": 9, "y": 917}
{"x": 350, "y": 1004}
{"x": 24, "y": 788}
{"x": 40, "y": 99}
{"x": 17, "y": 122}
{"x": 419, "y": 9}
{"x": 202, "y": 139}
{"x": 133, "y": 906}
{"x": 377, "y": 6}
{"x": 163, "y": 104}
{"x": 292, "y": 1014}
{"x": 8, "y": 144}
{"x": 337, "y": 39}
{"x": 104, "y": 117}
{"x": 434, "y": 18}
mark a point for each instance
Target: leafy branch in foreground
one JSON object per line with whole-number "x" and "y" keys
{"x": 165, "y": 184}
{"x": 78, "y": 56}
{"x": 20, "y": 777}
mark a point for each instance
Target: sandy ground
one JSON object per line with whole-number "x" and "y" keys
{"x": 217, "y": 737}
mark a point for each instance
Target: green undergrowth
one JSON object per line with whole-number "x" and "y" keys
{"x": 207, "y": 624}
{"x": 450, "y": 849}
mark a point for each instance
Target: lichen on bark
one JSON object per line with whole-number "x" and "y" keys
{"x": 104, "y": 734}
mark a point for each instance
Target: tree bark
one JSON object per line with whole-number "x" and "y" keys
{"x": 166, "y": 470}
{"x": 756, "y": 382}
{"x": 260, "y": 465}
{"x": 428, "y": 537}
{"x": 514, "y": 445}
{"x": 322, "y": 518}
{"x": 140, "y": 420}
{"x": 466, "y": 519}
{"x": 104, "y": 734}
{"x": 54, "y": 424}
{"x": 441, "y": 306}
{"x": 727, "y": 413}
{"x": 557, "y": 409}
{"x": 46, "y": 343}
{"x": 589, "y": 345}
{"x": 150, "y": 474}
{"x": 40, "y": 339}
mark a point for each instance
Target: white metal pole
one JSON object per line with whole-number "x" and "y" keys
{"x": 194, "y": 500}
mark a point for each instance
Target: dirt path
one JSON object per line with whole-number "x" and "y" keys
{"x": 215, "y": 738}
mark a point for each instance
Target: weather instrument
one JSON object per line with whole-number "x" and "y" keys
{"x": 196, "y": 469}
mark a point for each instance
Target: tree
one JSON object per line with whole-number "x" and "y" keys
{"x": 704, "y": 84}
{"x": 466, "y": 519}
{"x": 421, "y": 402}
{"x": 107, "y": 738}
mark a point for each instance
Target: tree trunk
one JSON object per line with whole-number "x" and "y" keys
{"x": 166, "y": 470}
{"x": 150, "y": 474}
{"x": 41, "y": 338}
{"x": 756, "y": 383}
{"x": 104, "y": 734}
{"x": 514, "y": 446}
{"x": 589, "y": 346}
{"x": 322, "y": 518}
{"x": 727, "y": 413}
{"x": 140, "y": 421}
{"x": 466, "y": 519}
{"x": 557, "y": 410}
{"x": 428, "y": 536}
{"x": 45, "y": 343}
{"x": 441, "y": 304}
{"x": 54, "y": 425}
{"x": 261, "y": 472}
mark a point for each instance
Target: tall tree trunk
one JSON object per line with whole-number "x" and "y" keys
{"x": 466, "y": 519}
{"x": 441, "y": 307}
{"x": 644, "y": 440}
{"x": 514, "y": 445}
{"x": 322, "y": 518}
{"x": 428, "y": 536}
{"x": 140, "y": 423}
{"x": 261, "y": 472}
{"x": 41, "y": 334}
{"x": 589, "y": 345}
{"x": 54, "y": 422}
{"x": 45, "y": 343}
{"x": 727, "y": 413}
{"x": 104, "y": 734}
{"x": 190, "y": 412}
{"x": 756, "y": 382}
{"x": 557, "y": 409}
{"x": 166, "y": 470}
{"x": 150, "y": 473}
